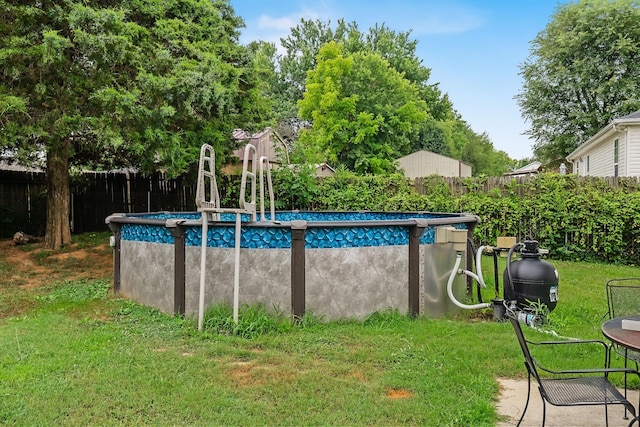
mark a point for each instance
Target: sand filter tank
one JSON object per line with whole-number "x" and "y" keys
{"x": 530, "y": 281}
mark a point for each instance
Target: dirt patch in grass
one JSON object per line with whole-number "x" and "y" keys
{"x": 257, "y": 374}
{"x": 24, "y": 270}
{"x": 357, "y": 375}
{"x": 398, "y": 393}
{"x": 18, "y": 266}
{"x": 33, "y": 267}
{"x": 242, "y": 373}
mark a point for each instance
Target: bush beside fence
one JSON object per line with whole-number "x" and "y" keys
{"x": 578, "y": 218}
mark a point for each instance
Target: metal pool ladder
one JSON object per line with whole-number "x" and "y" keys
{"x": 208, "y": 202}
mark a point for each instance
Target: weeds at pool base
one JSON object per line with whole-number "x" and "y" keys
{"x": 253, "y": 321}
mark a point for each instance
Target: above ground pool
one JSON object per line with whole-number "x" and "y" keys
{"x": 333, "y": 264}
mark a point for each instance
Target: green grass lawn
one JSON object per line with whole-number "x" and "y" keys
{"x": 79, "y": 355}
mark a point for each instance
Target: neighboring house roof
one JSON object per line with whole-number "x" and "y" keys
{"x": 614, "y": 126}
{"x": 634, "y": 115}
{"x": 15, "y": 167}
{"x": 240, "y": 134}
{"x": 321, "y": 169}
{"x": 531, "y": 168}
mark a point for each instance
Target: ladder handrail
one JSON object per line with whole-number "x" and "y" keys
{"x": 207, "y": 175}
{"x": 265, "y": 160}
{"x": 249, "y": 207}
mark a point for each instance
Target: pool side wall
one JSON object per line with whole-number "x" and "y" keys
{"x": 375, "y": 279}
{"x": 339, "y": 283}
{"x": 354, "y": 282}
{"x": 147, "y": 273}
{"x": 265, "y": 277}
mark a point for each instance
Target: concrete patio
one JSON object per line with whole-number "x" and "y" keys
{"x": 514, "y": 395}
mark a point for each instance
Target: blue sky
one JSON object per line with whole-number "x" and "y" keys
{"x": 473, "y": 47}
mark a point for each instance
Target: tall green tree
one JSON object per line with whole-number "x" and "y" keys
{"x": 399, "y": 49}
{"x": 130, "y": 82}
{"x": 443, "y": 130}
{"x": 365, "y": 114}
{"x": 302, "y": 46}
{"x": 482, "y": 156}
{"x": 582, "y": 73}
{"x": 300, "y": 50}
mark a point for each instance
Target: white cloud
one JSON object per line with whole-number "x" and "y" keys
{"x": 422, "y": 18}
{"x": 429, "y": 18}
{"x": 272, "y": 29}
{"x": 266, "y": 22}
{"x": 452, "y": 20}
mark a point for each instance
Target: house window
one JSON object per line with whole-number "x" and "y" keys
{"x": 615, "y": 157}
{"x": 588, "y": 157}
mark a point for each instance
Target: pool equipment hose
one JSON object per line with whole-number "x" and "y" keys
{"x": 457, "y": 270}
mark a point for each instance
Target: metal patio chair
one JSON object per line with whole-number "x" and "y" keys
{"x": 579, "y": 387}
{"x": 623, "y": 299}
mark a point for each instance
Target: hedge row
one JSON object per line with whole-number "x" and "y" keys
{"x": 577, "y": 220}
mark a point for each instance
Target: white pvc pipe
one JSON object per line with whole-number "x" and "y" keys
{"x": 453, "y": 299}
{"x": 236, "y": 271}
{"x": 473, "y": 275}
{"x": 203, "y": 265}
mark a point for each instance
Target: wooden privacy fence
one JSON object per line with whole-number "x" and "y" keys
{"x": 94, "y": 196}
{"x": 22, "y": 202}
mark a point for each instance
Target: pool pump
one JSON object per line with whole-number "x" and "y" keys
{"x": 530, "y": 283}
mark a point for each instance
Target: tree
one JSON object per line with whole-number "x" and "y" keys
{"x": 482, "y": 156}
{"x": 400, "y": 51}
{"x": 364, "y": 113}
{"x": 443, "y": 130}
{"x": 433, "y": 137}
{"x": 302, "y": 47}
{"x": 116, "y": 83}
{"x": 581, "y": 74}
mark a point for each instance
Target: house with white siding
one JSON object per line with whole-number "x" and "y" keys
{"x": 424, "y": 163}
{"x": 613, "y": 151}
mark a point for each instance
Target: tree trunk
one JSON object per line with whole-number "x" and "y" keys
{"x": 58, "y": 231}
